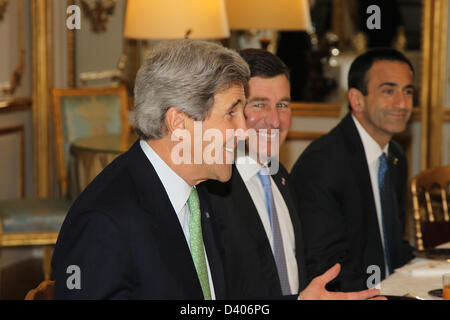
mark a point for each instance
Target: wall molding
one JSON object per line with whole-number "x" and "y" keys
{"x": 304, "y": 135}
{"x": 21, "y": 131}
{"x": 320, "y": 110}
{"x": 17, "y": 104}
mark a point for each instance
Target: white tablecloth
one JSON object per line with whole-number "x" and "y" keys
{"x": 417, "y": 278}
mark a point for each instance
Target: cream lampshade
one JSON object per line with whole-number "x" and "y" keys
{"x": 283, "y": 15}
{"x": 175, "y": 19}
{"x": 279, "y": 15}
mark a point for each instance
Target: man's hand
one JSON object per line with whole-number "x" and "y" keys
{"x": 316, "y": 289}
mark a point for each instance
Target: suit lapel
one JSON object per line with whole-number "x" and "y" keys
{"x": 247, "y": 209}
{"x": 168, "y": 232}
{"x": 358, "y": 160}
{"x": 282, "y": 184}
{"x": 253, "y": 225}
{"x": 396, "y": 232}
{"x": 358, "y": 164}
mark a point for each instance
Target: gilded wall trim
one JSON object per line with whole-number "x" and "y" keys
{"x": 42, "y": 13}
{"x": 434, "y": 49}
{"x": 320, "y": 110}
{"x": 70, "y": 53}
{"x": 17, "y": 104}
{"x": 23, "y": 239}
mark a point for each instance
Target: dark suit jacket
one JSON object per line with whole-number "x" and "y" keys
{"x": 337, "y": 207}
{"x": 125, "y": 237}
{"x": 250, "y": 269}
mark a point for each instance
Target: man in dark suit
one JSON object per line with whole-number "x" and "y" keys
{"x": 351, "y": 183}
{"x": 256, "y": 212}
{"x": 141, "y": 229}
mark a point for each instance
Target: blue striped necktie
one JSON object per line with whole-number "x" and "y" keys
{"x": 278, "y": 248}
{"x": 386, "y": 200}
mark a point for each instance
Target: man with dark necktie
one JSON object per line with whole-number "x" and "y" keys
{"x": 351, "y": 183}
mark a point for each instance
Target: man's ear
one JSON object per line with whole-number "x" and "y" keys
{"x": 175, "y": 119}
{"x": 356, "y": 100}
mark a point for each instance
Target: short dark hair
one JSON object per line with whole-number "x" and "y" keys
{"x": 264, "y": 64}
{"x": 357, "y": 76}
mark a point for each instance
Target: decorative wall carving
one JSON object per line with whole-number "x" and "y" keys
{"x": 98, "y": 12}
{"x": 3, "y": 5}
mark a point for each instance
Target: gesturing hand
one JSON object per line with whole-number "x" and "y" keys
{"x": 316, "y": 289}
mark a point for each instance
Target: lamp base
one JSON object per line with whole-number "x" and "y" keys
{"x": 264, "y": 42}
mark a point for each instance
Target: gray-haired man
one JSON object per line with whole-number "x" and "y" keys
{"x": 141, "y": 229}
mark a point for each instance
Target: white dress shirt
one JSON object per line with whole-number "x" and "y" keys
{"x": 248, "y": 170}
{"x": 373, "y": 152}
{"x": 178, "y": 192}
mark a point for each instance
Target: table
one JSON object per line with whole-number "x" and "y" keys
{"x": 417, "y": 278}
{"x": 92, "y": 154}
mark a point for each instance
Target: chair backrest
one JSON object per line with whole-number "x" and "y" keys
{"x": 44, "y": 291}
{"x": 79, "y": 113}
{"x": 430, "y": 194}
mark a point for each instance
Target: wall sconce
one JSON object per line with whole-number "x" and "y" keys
{"x": 8, "y": 88}
{"x": 3, "y": 5}
{"x": 98, "y": 12}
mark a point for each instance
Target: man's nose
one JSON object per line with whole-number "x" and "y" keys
{"x": 401, "y": 101}
{"x": 273, "y": 118}
{"x": 241, "y": 128}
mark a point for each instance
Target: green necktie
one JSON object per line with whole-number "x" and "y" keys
{"x": 196, "y": 240}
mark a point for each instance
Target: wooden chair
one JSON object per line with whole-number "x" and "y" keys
{"x": 86, "y": 112}
{"x": 44, "y": 291}
{"x": 430, "y": 191}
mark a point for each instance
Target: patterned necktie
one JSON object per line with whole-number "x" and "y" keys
{"x": 196, "y": 241}
{"x": 278, "y": 248}
{"x": 386, "y": 207}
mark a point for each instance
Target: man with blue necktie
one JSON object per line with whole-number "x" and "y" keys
{"x": 256, "y": 210}
{"x": 351, "y": 183}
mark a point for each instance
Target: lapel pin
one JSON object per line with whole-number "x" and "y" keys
{"x": 283, "y": 181}
{"x": 395, "y": 161}
{"x": 207, "y": 214}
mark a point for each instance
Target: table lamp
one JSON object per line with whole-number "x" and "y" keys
{"x": 171, "y": 19}
{"x": 175, "y": 19}
{"x": 280, "y": 15}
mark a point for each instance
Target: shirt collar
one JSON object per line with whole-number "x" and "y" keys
{"x": 176, "y": 188}
{"x": 247, "y": 167}
{"x": 371, "y": 147}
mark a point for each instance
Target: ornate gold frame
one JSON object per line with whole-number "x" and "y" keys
{"x": 43, "y": 65}
{"x": 434, "y": 49}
